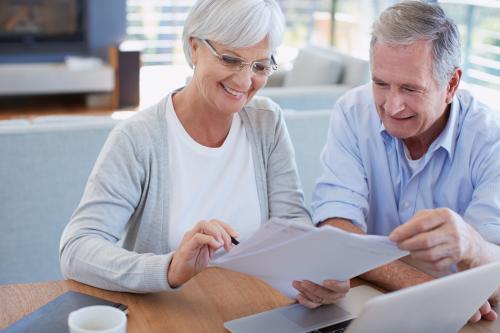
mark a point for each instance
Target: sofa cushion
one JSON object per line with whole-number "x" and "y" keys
{"x": 357, "y": 71}
{"x": 314, "y": 67}
{"x": 43, "y": 171}
{"x": 308, "y": 132}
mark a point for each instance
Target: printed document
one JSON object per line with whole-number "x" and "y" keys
{"x": 282, "y": 251}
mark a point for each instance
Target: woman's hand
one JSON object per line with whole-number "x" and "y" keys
{"x": 196, "y": 249}
{"x": 313, "y": 295}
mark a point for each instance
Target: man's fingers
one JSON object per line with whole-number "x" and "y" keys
{"x": 475, "y": 317}
{"x": 423, "y": 241}
{"x": 306, "y": 302}
{"x": 322, "y": 294}
{"x": 443, "y": 264}
{"x": 307, "y": 294}
{"x": 340, "y": 287}
{"x": 423, "y": 221}
{"x": 433, "y": 254}
{"x": 490, "y": 316}
{"x": 313, "y": 287}
{"x": 485, "y": 308}
{"x": 485, "y": 312}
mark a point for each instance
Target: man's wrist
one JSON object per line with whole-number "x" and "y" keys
{"x": 474, "y": 253}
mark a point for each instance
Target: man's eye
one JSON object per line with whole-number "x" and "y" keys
{"x": 231, "y": 61}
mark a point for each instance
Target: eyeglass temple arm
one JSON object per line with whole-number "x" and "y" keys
{"x": 273, "y": 62}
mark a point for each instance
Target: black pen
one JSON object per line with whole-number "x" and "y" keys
{"x": 234, "y": 241}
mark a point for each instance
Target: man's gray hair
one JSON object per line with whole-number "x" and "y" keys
{"x": 410, "y": 21}
{"x": 234, "y": 23}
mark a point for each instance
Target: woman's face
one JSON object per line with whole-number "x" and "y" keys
{"x": 225, "y": 89}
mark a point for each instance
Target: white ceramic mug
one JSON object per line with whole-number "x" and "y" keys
{"x": 97, "y": 319}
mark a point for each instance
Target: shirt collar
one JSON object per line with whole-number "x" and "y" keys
{"x": 446, "y": 139}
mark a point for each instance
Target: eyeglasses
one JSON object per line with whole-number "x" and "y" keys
{"x": 259, "y": 67}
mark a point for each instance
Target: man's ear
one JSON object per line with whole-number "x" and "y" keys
{"x": 453, "y": 84}
{"x": 194, "y": 45}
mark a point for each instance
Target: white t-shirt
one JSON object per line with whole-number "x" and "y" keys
{"x": 413, "y": 164}
{"x": 210, "y": 183}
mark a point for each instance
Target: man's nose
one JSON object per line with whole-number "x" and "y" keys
{"x": 394, "y": 102}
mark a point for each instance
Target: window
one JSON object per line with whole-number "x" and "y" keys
{"x": 479, "y": 25}
{"x": 157, "y": 26}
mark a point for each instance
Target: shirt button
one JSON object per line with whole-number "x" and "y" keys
{"x": 406, "y": 204}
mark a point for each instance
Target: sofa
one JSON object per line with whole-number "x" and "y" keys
{"x": 45, "y": 163}
{"x": 319, "y": 76}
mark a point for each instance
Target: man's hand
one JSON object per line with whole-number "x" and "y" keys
{"x": 196, "y": 249}
{"x": 313, "y": 295}
{"x": 439, "y": 237}
{"x": 485, "y": 312}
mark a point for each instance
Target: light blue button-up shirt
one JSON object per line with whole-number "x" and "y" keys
{"x": 366, "y": 177}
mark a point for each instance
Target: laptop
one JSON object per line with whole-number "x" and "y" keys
{"x": 442, "y": 305}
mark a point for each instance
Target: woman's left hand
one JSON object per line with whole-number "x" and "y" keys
{"x": 313, "y": 295}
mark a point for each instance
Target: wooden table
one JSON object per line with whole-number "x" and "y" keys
{"x": 202, "y": 305}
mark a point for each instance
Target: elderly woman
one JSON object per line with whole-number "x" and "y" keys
{"x": 175, "y": 182}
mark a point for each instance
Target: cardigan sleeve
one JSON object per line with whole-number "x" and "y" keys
{"x": 89, "y": 249}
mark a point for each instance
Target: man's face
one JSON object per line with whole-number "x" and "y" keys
{"x": 409, "y": 101}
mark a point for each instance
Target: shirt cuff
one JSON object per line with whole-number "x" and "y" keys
{"x": 490, "y": 232}
{"x": 339, "y": 210}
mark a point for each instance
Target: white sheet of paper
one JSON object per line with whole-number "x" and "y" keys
{"x": 280, "y": 252}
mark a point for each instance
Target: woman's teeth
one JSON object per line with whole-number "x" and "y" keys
{"x": 233, "y": 92}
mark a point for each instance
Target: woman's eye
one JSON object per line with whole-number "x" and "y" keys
{"x": 233, "y": 61}
{"x": 260, "y": 67}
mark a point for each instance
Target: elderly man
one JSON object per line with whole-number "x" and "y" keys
{"x": 412, "y": 157}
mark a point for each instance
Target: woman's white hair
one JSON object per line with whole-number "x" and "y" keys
{"x": 234, "y": 23}
{"x": 410, "y": 21}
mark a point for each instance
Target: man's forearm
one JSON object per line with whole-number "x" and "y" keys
{"x": 396, "y": 275}
{"x": 485, "y": 253}
{"x": 393, "y": 276}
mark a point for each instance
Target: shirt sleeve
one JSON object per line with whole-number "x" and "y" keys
{"x": 483, "y": 212}
{"x": 89, "y": 249}
{"x": 286, "y": 199}
{"x": 342, "y": 190}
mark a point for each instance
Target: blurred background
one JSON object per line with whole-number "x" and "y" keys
{"x": 148, "y": 62}
{"x": 344, "y": 24}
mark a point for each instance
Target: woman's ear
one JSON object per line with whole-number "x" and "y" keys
{"x": 194, "y": 45}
